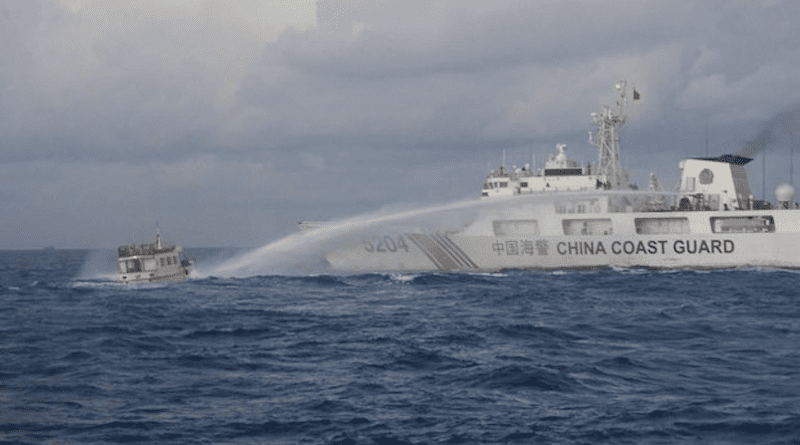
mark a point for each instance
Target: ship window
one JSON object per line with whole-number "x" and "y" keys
{"x": 601, "y": 226}
{"x": 134, "y": 266}
{"x": 503, "y": 184}
{"x": 149, "y": 264}
{"x": 175, "y": 260}
{"x": 563, "y": 171}
{"x": 661, "y": 226}
{"x": 169, "y": 261}
{"x": 690, "y": 184}
{"x": 578, "y": 206}
{"x": 742, "y": 224}
{"x": 163, "y": 262}
{"x": 516, "y": 227}
{"x": 523, "y": 184}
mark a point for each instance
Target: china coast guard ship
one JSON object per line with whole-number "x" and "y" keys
{"x": 565, "y": 215}
{"x": 148, "y": 263}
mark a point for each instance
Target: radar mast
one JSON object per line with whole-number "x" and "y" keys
{"x": 604, "y": 134}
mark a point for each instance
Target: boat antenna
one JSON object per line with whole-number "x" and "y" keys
{"x": 158, "y": 236}
{"x": 706, "y": 139}
{"x": 504, "y": 158}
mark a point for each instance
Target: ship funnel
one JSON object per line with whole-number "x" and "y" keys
{"x": 784, "y": 194}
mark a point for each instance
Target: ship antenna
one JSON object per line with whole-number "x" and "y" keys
{"x": 605, "y": 136}
{"x": 158, "y": 237}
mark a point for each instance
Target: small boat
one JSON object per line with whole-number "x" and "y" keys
{"x": 149, "y": 263}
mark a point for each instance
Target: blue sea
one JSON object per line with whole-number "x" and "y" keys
{"x": 574, "y": 357}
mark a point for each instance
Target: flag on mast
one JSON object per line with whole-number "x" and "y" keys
{"x": 636, "y": 94}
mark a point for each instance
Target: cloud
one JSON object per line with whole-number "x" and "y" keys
{"x": 141, "y": 76}
{"x": 546, "y": 101}
{"x": 232, "y": 102}
{"x": 127, "y": 81}
{"x": 752, "y": 97}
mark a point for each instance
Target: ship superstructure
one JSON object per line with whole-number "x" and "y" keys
{"x": 568, "y": 215}
{"x": 147, "y": 263}
{"x": 562, "y": 174}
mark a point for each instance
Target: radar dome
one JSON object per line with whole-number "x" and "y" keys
{"x": 561, "y": 157}
{"x": 784, "y": 192}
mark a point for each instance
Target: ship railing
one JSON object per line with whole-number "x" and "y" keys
{"x": 144, "y": 249}
{"x": 661, "y": 202}
{"x": 757, "y": 204}
{"x": 531, "y": 191}
{"x": 699, "y": 202}
{"x": 690, "y": 202}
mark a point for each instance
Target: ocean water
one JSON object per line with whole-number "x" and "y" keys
{"x": 574, "y": 357}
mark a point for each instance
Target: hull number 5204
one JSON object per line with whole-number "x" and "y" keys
{"x": 386, "y": 244}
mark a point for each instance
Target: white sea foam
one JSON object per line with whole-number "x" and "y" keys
{"x": 488, "y": 274}
{"x": 98, "y": 284}
{"x": 404, "y": 278}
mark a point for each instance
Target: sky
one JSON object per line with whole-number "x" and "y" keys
{"x": 228, "y": 122}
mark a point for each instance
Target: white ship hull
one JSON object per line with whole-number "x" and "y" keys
{"x": 471, "y": 250}
{"x": 178, "y": 276}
